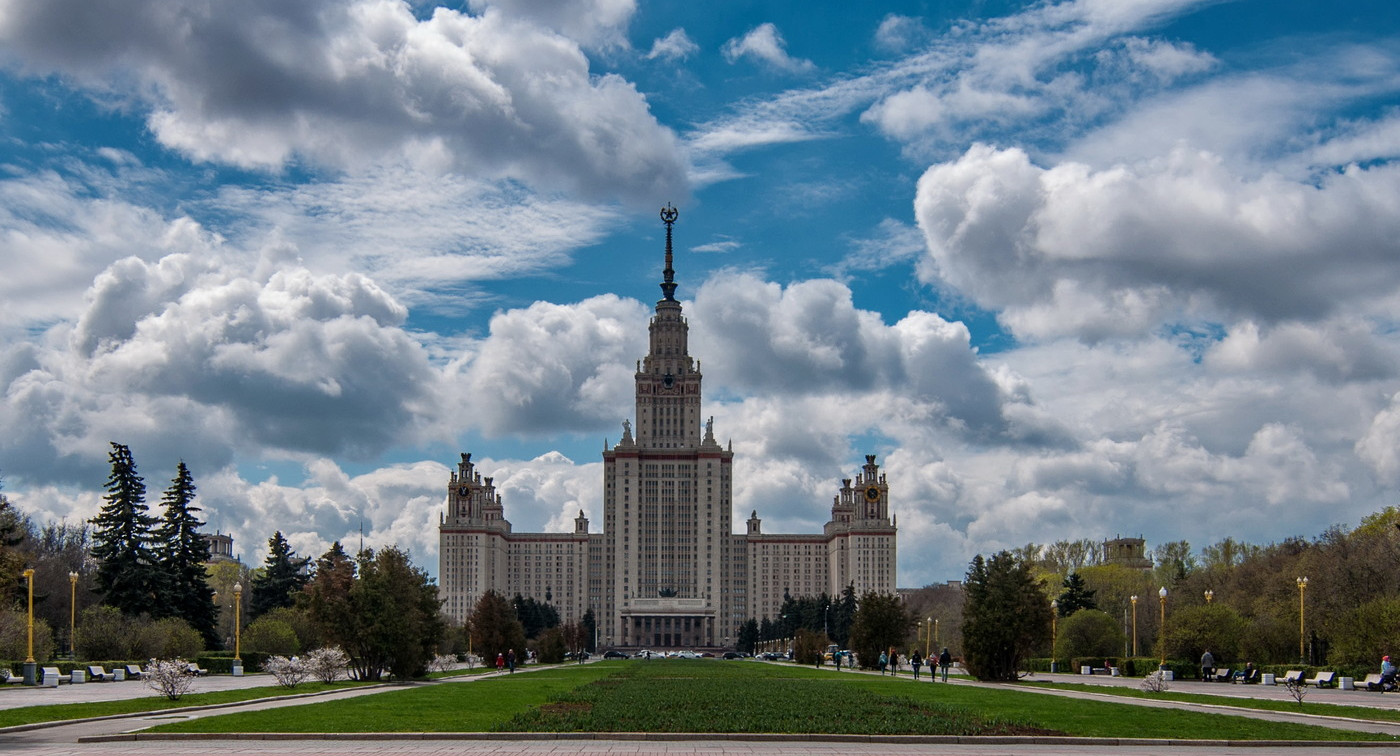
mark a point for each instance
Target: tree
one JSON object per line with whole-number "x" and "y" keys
{"x": 843, "y": 613}
{"x": 270, "y": 635}
{"x": 1076, "y": 596}
{"x": 182, "y": 553}
{"x": 121, "y": 541}
{"x": 1089, "y": 632}
{"x": 1370, "y": 632}
{"x": 1174, "y": 562}
{"x": 392, "y": 620}
{"x": 494, "y": 627}
{"x": 809, "y": 646}
{"x": 283, "y": 574}
{"x": 881, "y": 623}
{"x": 589, "y": 627}
{"x": 1210, "y": 627}
{"x": 12, "y": 529}
{"x": 535, "y": 616}
{"x": 1005, "y": 616}
{"x": 748, "y": 636}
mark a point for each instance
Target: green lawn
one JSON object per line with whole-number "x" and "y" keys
{"x": 58, "y": 712}
{"x": 1321, "y": 709}
{"x": 724, "y": 696}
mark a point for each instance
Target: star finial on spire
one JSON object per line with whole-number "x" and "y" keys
{"x": 668, "y": 286}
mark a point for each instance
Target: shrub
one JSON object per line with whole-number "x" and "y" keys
{"x": 288, "y": 672}
{"x": 327, "y": 664}
{"x": 14, "y": 636}
{"x": 171, "y": 678}
{"x": 271, "y": 636}
{"x": 442, "y": 663}
{"x": 1155, "y": 683}
{"x": 169, "y": 638}
{"x": 551, "y": 646}
{"x": 1089, "y": 632}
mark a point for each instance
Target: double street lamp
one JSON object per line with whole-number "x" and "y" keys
{"x": 1209, "y": 595}
{"x": 73, "y": 615}
{"x": 1054, "y": 622}
{"x": 1134, "y": 600}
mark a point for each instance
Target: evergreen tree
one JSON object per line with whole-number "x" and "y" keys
{"x": 1005, "y": 616}
{"x": 748, "y": 636}
{"x": 881, "y": 623}
{"x": 843, "y": 614}
{"x": 182, "y": 553}
{"x": 328, "y": 592}
{"x": 1076, "y": 596}
{"x": 495, "y": 628}
{"x": 534, "y": 616}
{"x": 589, "y": 625}
{"x": 12, "y": 529}
{"x": 282, "y": 575}
{"x": 127, "y": 573}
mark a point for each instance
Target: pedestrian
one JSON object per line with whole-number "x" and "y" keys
{"x": 884, "y": 660}
{"x": 1207, "y": 666}
{"x": 894, "y": 662}
{"x": 510, "y": 660}
{"x": 916, "y": 661}
{"x": 500, "y": 662}
{"x": 944, "y": 660}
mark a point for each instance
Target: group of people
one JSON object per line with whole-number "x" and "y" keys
{"x": 506, "y": 661}
{"x": 1250, "y": 673}
{"x": 890, "y": 659}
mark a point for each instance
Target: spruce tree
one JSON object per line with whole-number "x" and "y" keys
{"x": 127, "y": 574}
{"x": 182, "y": 553}
{"x": 1077, "y": 595}
{"x": 282, "y": 575}
{"x": 1005, "y": 616}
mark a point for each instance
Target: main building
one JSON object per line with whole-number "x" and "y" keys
{"x": 667, "y": 571}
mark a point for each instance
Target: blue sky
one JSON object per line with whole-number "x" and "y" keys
{"x": 1072, "y": 269}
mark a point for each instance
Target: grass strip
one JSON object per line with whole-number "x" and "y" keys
{"x": 60, "y": 712}
{"x": 1262, "y": 704}
{"x": 468, "y": 706}
{"x": 714, "y": 696}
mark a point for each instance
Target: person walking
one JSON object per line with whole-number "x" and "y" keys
{"x": 894, "y": 662}
{"x": 510, "y": 660}
{"x": 500, "y": 662}
{"x": 884, "y": 660}
{"x": 944, "y": 660}
{"x": 916, "y": 661}
{"x": 1207, "y": 666}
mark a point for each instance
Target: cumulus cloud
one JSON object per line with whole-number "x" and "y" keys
{"x": 764, "y": 43}
{"x": 677, "y": 45}
{"x": 354, "y": 85}
{"x": 1073, "y": 251}
{"x": 558, "y": 367}
{"x": 196, "y": 361}
{"x": 900, "y": 34}
{"x": 594, "y": 23}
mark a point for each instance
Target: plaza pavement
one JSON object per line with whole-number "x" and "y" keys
{"x": 95, "y": 737}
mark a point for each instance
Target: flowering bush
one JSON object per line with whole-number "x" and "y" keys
{"x": 289, "y": 672}
{"x": 1155, "y": 682}
{"x": 442, "y": 663}
{"x": 171, "y": 678}
{"x": 327, "y": 664}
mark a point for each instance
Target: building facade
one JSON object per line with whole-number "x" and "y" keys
{"x": 667, "y": 570}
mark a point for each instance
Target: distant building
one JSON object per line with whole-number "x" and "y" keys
{"x": 667, "y": 571}
{"x": 220, "y": 547}
{"x": 1128, "y": 552}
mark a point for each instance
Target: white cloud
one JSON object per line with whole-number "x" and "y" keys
{"x": 599, "y": 24}
{"x": 357, "y": 85}
{"x": 766, "y": 44}
{"x": 901, "y": 33}
{"x": 676, "y": 45}
{"x": 1070, "y": 250}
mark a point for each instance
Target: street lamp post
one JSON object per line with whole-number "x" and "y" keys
{"x": 1162, "y": 633}
{"x": 1054, "y": 627}
{"x": 237, "y": 629}
{"x": 73, "y": 615}
{"x": 1302, "y": 651}
{"x": 1209, "y": 595}
{"x": 29, "y": 665}
{"x": 1134, "y": 600}
{"x": 928, "y": 634}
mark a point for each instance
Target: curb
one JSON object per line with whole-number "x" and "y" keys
{"x": 730, "y": 737}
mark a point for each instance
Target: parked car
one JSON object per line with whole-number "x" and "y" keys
{"x": 615, "y": 654}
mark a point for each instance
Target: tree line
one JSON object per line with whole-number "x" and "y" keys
{"x": 1330, "y": 601}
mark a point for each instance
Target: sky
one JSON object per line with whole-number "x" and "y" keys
{"x": 1073, "y": 269}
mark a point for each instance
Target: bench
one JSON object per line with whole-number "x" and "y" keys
{"x": 1322, "y": 680}
{"x": 133, "y": 671}
{"x": 197, "y": 670}
{"x": 1293, "y": 676}
{"x": 50, "y": 677}
{"x": 1224, "y": 675}
{"x": 98, "y": 673}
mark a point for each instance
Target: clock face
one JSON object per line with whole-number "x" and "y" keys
{"x": 872, "y": 494}
{"x": 462, "y": 490}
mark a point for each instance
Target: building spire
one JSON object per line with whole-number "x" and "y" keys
{"x": 668, "y": 286}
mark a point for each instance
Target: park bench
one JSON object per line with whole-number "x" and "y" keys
{"x": 133, "y": 671}
{"x": 1224, "y": 675}
{"x": 197, "y": 670}
{"x": 50, "y": 677}
{"x": 1293, "y": 676}
{"x": 1322, "y": 680}
{"x": 1372, "y": 682}
{"x": 10, "y": 677}
{"x": 98, "y": 673}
